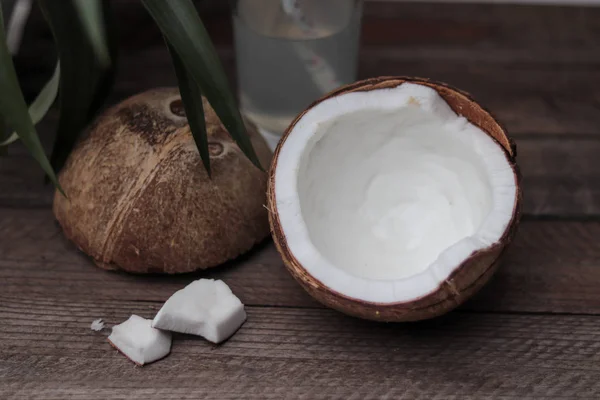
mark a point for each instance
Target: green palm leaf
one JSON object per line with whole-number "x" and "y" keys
{"x": 83, "y": 71}
{"x": 41, "y": 104}
{"x": 14, "y": 109}
{"x": 191, "y": 97}
{"x": 91, "y": 14}
{"x": 181, "y": 25}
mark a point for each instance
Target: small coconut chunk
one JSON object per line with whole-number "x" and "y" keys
{"x": 206, "y": 308}
{"x": 139, "y": 341}
{"x": 97, "y": 325}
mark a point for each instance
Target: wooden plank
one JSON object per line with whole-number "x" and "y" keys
{"x": 466, "y": 32}
{"x": 561, "y": 178}
{"x": 57, "y": 268}
{"x": 553, "y": 34}
{"x": 528, "y": 100}
{"x": 484, "y": 27}
{"x": 553, "y": 266}
{"x": 543, "y": 99}
{"x": 49, "y": 352}
{"x": 541, "y": 82}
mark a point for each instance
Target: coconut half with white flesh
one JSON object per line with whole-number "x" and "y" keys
{"x": 392, "y": 199}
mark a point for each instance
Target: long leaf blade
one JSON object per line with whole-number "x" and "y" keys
{"x": 44, "y": 100}
{"x": 81, "y": 76}
{"x": 108, "y": 77}
{"x": 91, "y": 16}
{"x": 14, "y": 109}
{"x": 191, "y": 97}
{"x": 181, "y": 25}
{"x": 19, "y": 13}
{"x": 8, "y": 140}
{"x": 42, "y": 103}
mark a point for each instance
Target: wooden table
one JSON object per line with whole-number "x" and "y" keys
{"x": 534, "y": 331}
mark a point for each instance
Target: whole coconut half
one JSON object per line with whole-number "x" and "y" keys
{"x": 393, "y": 198}
{"x": 140, "y": 200}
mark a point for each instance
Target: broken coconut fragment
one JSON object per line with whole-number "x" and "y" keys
{"x": 139, "y": 341}
{"x": 206, "y": 308}
{"x": 97, "y": 325}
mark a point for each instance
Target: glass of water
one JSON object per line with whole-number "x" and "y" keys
{"x": 291, "y": 52}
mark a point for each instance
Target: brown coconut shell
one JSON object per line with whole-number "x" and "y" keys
{"x": 466, "y": 279}
{"x": 140, "y": 200}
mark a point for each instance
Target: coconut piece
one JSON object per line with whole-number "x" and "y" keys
{"x": 139, "y": 341}
{"x": 97, "y": 325}
{"x": 392, "y": 198}
{"x": 206, "y": 308}
{"x": 139, "y": 198}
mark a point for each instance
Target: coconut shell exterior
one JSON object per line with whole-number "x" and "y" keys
{"x": 140, "y": 200}
{"x": 466, "y": 279}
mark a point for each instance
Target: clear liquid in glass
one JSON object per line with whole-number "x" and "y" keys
{"x": 289, "y": 55}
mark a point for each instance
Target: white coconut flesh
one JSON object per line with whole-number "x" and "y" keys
{"x": 206, "y": 308}
{"x": 139, "y": 342}
{"x": 382, "y": 194}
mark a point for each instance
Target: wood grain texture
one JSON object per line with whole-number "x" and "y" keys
{"x": 562, "y": 34}
{"x": 552, "y": 266}
{"x": 535, "y": 67}
{"x": 532, "y": 332}
{"x": 529, "y": 99}
{"x": 561, "y": 177}
{"x": 541, "y": 97}
{"x": 49, "y": 352}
